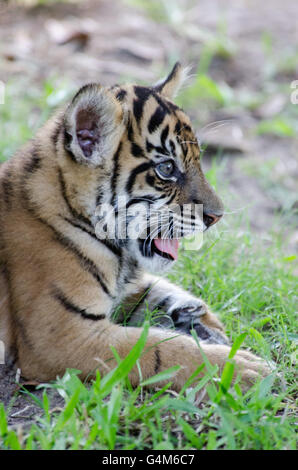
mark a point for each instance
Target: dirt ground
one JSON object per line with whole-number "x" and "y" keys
{"x": 110, "y": 42}
{"x": 20, "y": 407}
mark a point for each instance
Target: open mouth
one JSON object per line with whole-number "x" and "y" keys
{"x": 166, "y": 248}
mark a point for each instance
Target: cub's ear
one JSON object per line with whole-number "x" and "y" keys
{"x": 169, "y": 86}
{"x": 94, "y": 123}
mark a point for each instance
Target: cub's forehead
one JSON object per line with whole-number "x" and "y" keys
{"x": 150, "y": 110}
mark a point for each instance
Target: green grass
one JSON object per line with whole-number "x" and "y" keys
{"x": 25, "y": 109}
{"x": 248, "y": 279}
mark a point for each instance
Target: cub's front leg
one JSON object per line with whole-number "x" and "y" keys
{"x": 180, "y": 309}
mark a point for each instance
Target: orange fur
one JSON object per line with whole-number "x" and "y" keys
{"x": 59, "y": 285}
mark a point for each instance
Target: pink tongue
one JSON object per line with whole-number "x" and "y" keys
{"x": 167, "y": 246}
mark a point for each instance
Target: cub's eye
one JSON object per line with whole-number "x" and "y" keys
{"x": 165, "y": 169}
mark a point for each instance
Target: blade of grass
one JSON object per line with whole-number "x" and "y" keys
{"x": 123, "y": 369}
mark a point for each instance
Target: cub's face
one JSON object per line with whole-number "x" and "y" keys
{"x": 155, "y": 191}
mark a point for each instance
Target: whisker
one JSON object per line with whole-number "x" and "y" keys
{"x": 189, "y": 142}
{"x": 215, "y": 124}
{"x": 235, "y": 211}
{"x": 201, "y": 134}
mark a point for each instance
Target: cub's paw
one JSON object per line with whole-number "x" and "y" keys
{"x": 248, "y": 366}
{"x": 194, "y": 314}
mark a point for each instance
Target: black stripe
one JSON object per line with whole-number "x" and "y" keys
{"x": 163, "y": 303}
{"x": 85, "y": 262}
{"x": 159, "y": 149}
{"x": 162, "y": 103}
{"x": 58, "y": 295}
{"x": 150, "y": 179}
{"x": 73, "y": 211}
{"x": 139, "y": 169}
{"x": 88, "y": 87}
{"x": 184, "y": 147}
{"x": 99, "y": 196}
{"x": 30, "y": 166}
{"x": 172, "y": 197}
{"x": 186, "y": 127}
{"x": 77, "y": 225}
{"x": 55, "y": 135}
{"x": 147, "y": 198}
{"x": 173, "y": 107}
{"x": 132, "y": 269}
{"x": 115, "y": 173}
{"x": 181, "y": 223}
{"x": 149, "y": 146}
{"x": 67, "y": 139}
{"x": 156, "y": 119}
{"x": 7, "y": 187}
{"x": 164, "y": 136}
{"x": 130, "y": 135}
{"x": 34, "y": 163}
{"x": 121, "y": 95}
{"x": 136, "y": 150}
{"x": 173, "y": 148}
{"x": 178, "y": 127}
{"x": 16, "y": 322}
{"x": 142, "y": 95}
{"x": 157, "y": 360}
{"x": 138, "y": 109}
{"x": 107, "y": 243}
{"x": 160, "y": 87}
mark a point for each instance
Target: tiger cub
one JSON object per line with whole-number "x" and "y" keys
{"x": 62, "y": 278}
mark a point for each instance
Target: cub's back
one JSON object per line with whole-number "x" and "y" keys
{"x": 15, "y": 223}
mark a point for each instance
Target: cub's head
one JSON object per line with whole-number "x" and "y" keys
{"x": 146, "y": 157}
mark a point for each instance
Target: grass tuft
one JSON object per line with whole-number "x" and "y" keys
{"x": 248, "y": 280}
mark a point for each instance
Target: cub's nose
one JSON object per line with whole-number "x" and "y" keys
{"x": 210, "y": 219}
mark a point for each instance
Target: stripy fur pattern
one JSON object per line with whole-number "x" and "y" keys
{"x": 59, "y": 283}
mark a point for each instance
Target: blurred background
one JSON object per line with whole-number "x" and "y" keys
{"x": 243, "y": 59}
{"x": 242, "y": 96}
